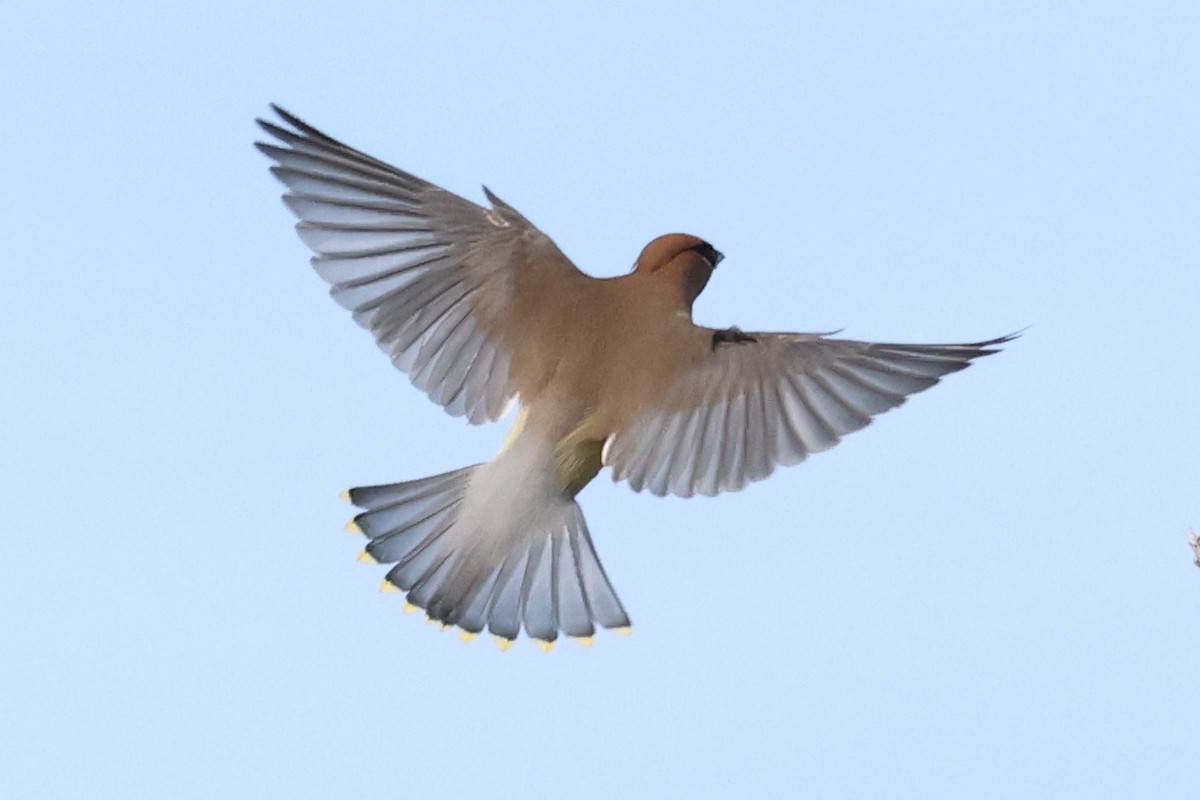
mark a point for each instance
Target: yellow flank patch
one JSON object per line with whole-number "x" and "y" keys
{"x": 387, "y": 587}
{"x": 467, "y": 636}
{"x": 578, "y": 459}
{"x": 352, "y": 527}
{"x": 544, "y": 645}
{"x": 515, "y": 430}
{"x": 409, "y": 608}
{"x": 501, "y": 642}
{"x": 366, "y": 558}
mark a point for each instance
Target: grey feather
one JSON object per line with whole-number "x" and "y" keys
{"x": 771, "y": 400}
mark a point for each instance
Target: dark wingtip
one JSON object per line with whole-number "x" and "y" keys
{"x": 273, "y": 128}
{"x": 284, "y": 114}
{"x": 500, "y": 204}
{"x": 1002, "y": 339}
{"x": 1017, "y": 334}
{"x": 491, "y": 196}
{"x": 300, "y": 125}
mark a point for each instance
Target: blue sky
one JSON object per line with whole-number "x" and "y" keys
{"x": 988, "y": 593}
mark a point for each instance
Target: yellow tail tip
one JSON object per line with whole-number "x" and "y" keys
{"x": 409, "y": 608}
{"x": 501, "y": 642}
{"x": 544, "y": 645}
{"x": 345, "y": 496}
{"x": 586, "y": 641}
{"x": 467, "y": 636}
{"x": 352, "y": 527}
{"x": 624, "y": 630}
{"x": 366, "y": 558}
{"x": 387, "y": 587}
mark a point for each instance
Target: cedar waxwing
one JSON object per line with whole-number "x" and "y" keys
{"x": 481, "y": 310}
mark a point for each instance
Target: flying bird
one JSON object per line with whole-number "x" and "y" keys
{"x": 482, "y": 310}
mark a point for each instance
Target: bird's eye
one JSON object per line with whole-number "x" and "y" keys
{"x": 708, "y": 253}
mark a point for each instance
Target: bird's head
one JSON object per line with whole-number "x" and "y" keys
{"x": 681, "y": 258}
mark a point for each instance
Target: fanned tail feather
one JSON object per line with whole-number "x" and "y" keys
{"x": 486, "y": 546}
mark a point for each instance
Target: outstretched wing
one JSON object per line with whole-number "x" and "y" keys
{"x": 768, "y": 399}
{"x": 431, "y": 275}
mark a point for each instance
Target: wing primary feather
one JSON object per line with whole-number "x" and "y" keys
{"x": 316, "y": 158}
{"x": 308, "y": 136}
{"x": 430, "y": 294}
{"x": 788, "y": 424}
{"x": 733, "y": 445}
{"x": 851, "y": 416}
{"x": 813, "y": 424}
{"x": 681, "y": 465}
{"x": 670, "y": 442}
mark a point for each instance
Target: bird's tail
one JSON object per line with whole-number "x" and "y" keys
{"x": 496, "y": 545}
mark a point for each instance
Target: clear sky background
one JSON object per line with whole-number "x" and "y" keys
{"x": 988, "y": 593}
